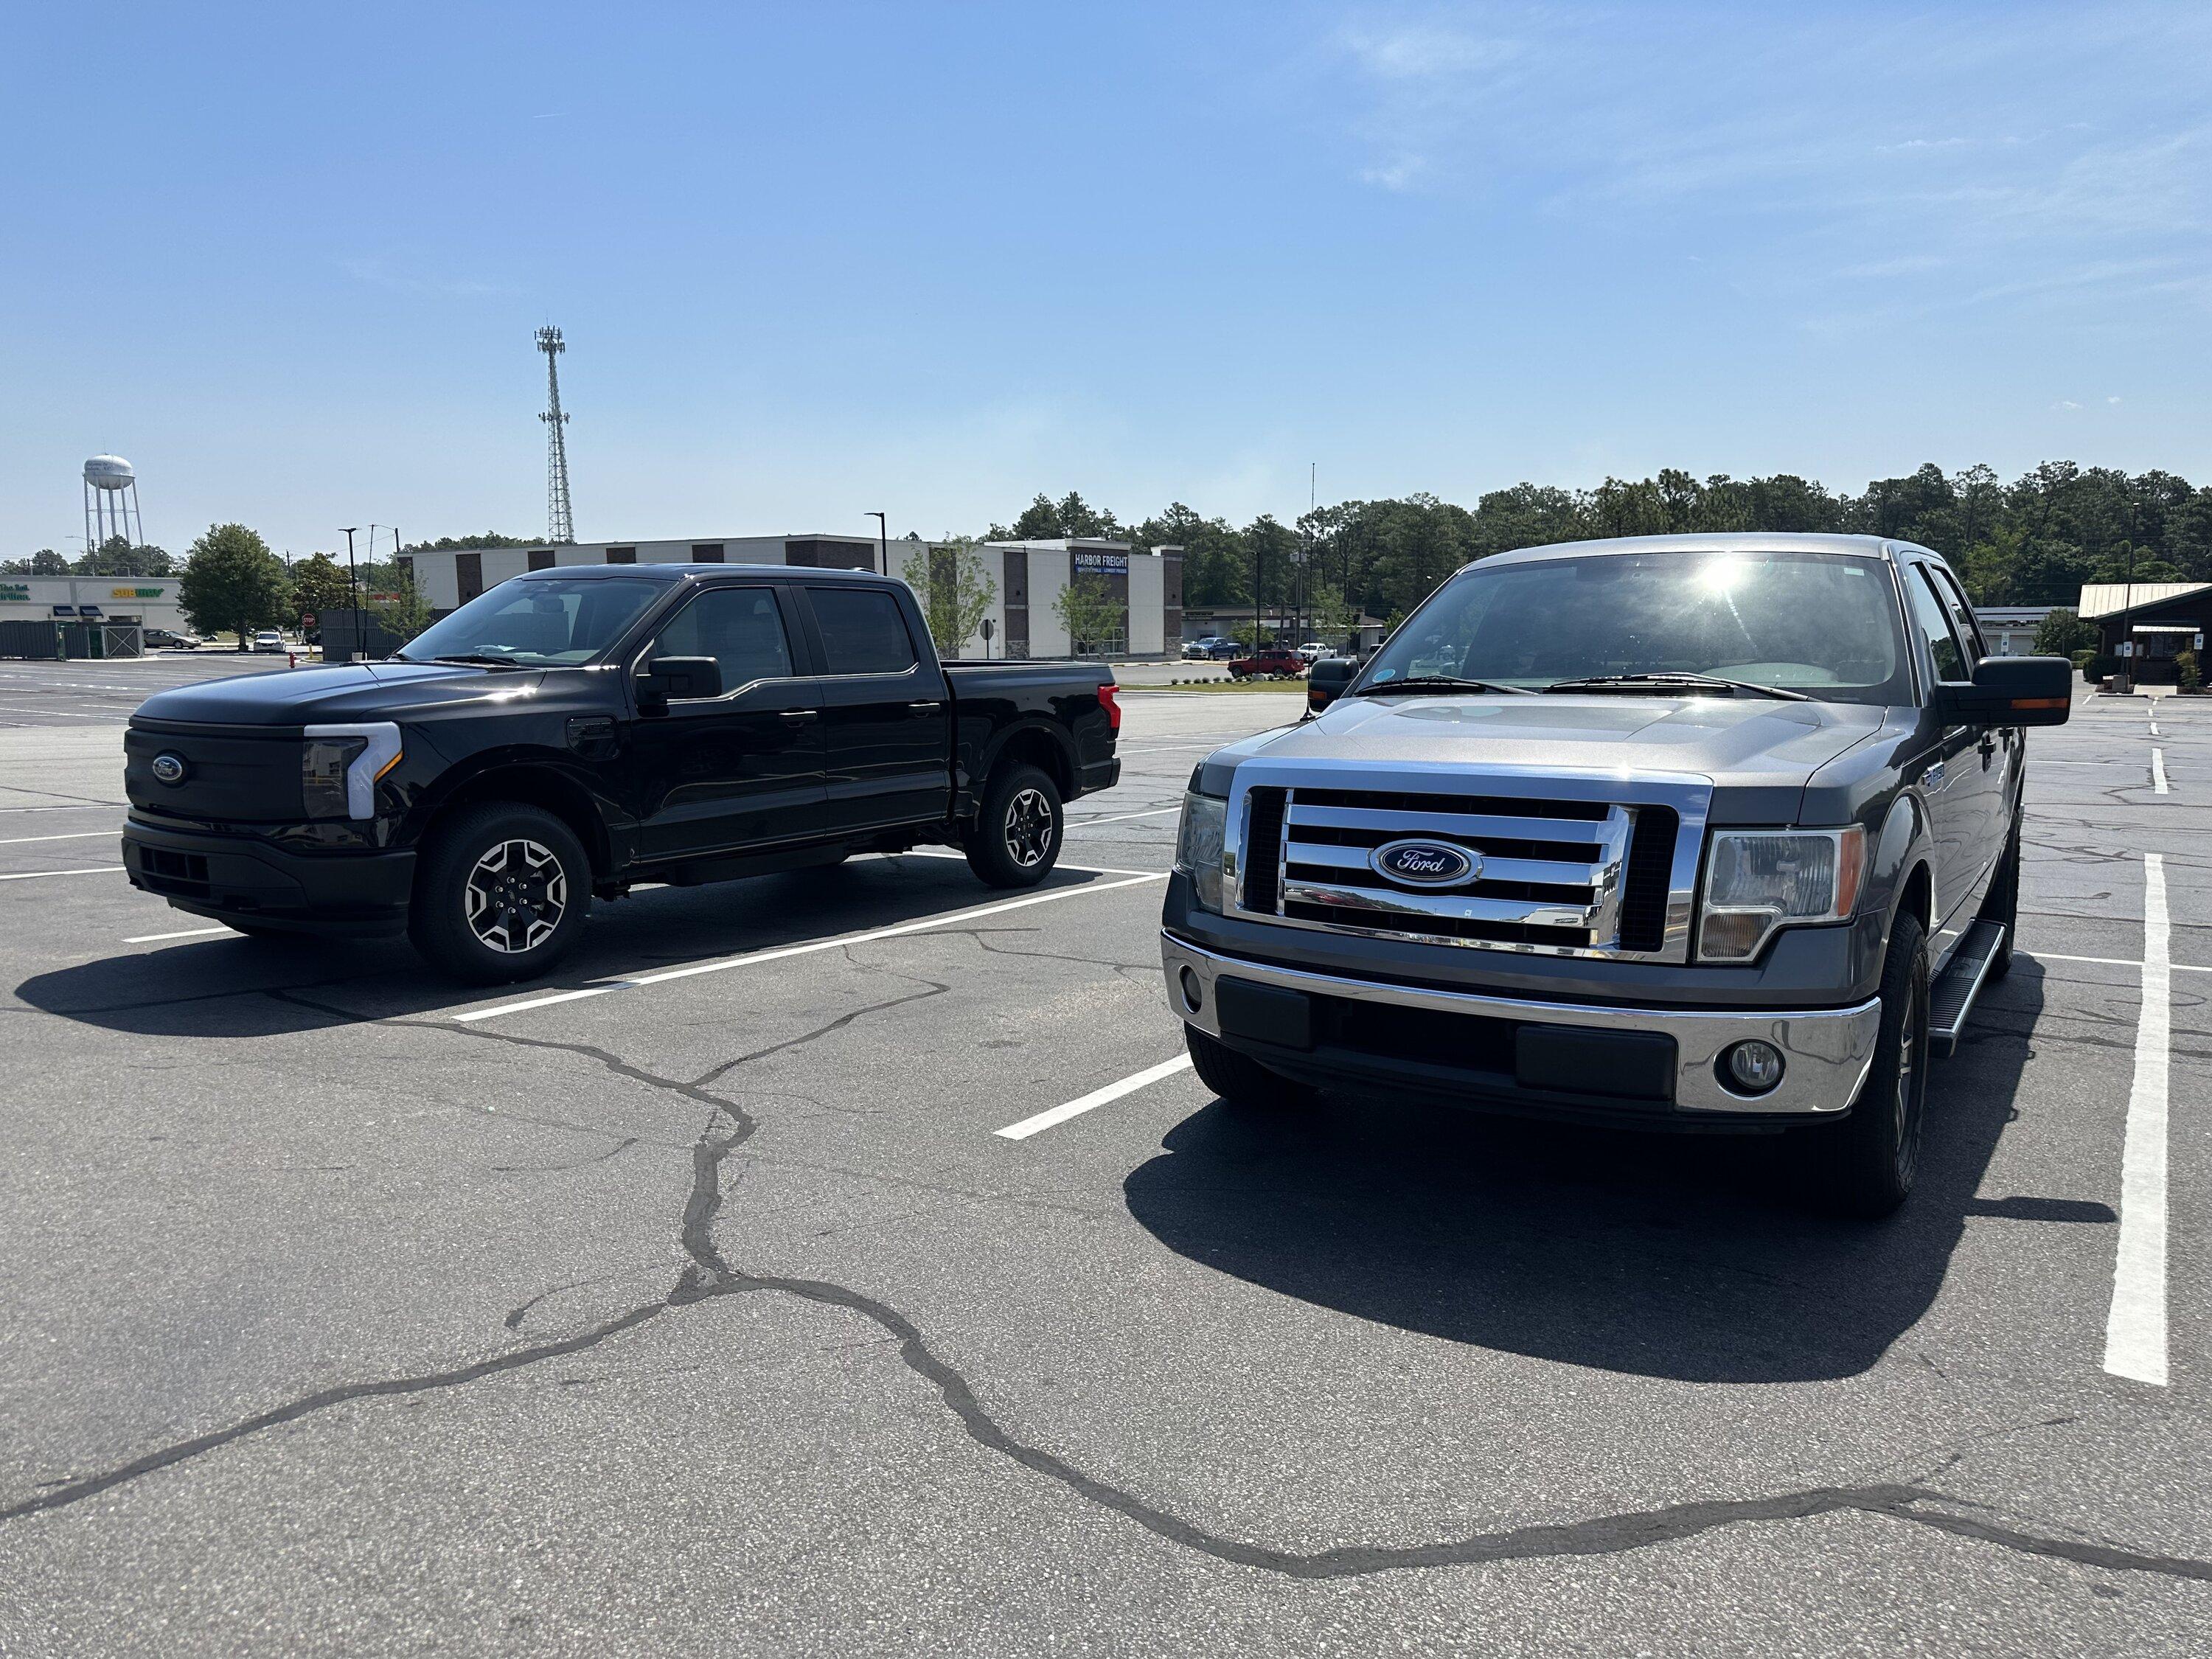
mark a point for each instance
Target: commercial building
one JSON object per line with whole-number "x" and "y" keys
{"x": 2159, "y": 619}
{"x": 2010, "y": 628}
{"x": 151, "y": 601}
{"x": 1022, "y": 618}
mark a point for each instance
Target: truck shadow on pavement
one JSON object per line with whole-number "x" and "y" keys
{"x": 1679, "y": 1256}
{"x": 229, "y": 986}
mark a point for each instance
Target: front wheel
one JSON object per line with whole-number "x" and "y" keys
{"x": 1015, "y": 840}
{"x": 1864, "y": 1167}
{"x": 1240, "y": 1080}
{"x": 501, "y": 893}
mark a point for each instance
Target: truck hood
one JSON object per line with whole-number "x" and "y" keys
{"x": 1764, "y": 748}
{"x": 350, "y": 692}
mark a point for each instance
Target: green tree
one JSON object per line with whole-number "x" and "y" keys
{"x": 954, "y": 588}
{"x": 1090, "y": 613}
{"x": 233, "y": 583}
{"x": 117, "y": 557}
{"x": 1045, "y": 519}
{"x": 2062, "y": 634}
{"x": 318, "y": 584}
{"x": 403, "y": 616}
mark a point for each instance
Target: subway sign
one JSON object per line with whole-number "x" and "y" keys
{"x": 134, "y": 593}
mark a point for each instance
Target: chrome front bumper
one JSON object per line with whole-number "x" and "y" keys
{"x": 1826, "y": 1052}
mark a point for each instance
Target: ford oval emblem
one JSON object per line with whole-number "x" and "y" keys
{"x": 168, "y": 768}
{"x": 1425, "y": 863}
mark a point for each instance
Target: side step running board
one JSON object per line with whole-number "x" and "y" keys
{"x": 1951, "y": 998}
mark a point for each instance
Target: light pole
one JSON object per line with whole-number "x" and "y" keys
{"x": 2127, "y": 624}
{"x": 352, "y": 595}
{"x": 883, "y": 539}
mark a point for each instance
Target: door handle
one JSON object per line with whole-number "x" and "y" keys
{"x": 799, "y": 716}
{"x": 925, "y": 708}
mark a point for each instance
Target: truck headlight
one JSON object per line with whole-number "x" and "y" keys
{"x": 339, "y": 766}
{"x": 1199, "y": 844}
{"x": 1758, "y": 881}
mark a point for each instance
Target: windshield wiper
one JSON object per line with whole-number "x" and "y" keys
{"x": 490, "y": 658}
{"x": 1437, "y": 682}
{"x": 1673, "y": 681}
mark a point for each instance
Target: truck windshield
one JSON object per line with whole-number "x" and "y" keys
{"x": 536, "y": 625}
{"x": 1821, "y": 624}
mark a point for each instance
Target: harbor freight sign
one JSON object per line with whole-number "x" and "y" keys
{"x": 1094, "y": 562}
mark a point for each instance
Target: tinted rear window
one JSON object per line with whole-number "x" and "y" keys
{"x": 863, "y": 631}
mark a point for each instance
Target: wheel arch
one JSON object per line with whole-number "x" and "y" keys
{"x": 1033, "y": 743}
{"x": 532, "y": 783}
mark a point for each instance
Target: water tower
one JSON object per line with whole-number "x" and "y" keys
{"x": 111, "y": 503}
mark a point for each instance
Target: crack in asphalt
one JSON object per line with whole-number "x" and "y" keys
{"x": 709, "y": 1274}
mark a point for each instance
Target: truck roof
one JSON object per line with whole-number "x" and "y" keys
{"x": 667, "y": 572}
{"x": 1747, "y": 541}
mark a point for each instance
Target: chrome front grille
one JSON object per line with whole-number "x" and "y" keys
{"x": 1607, "y": 870}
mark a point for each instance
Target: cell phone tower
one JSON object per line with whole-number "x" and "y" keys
{"x": 560, "y": 517}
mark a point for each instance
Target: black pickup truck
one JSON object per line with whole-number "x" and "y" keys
{"x": 1705, "y": 832}
{"x": 576, "y": 731}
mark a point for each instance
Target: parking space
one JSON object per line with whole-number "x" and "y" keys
{"x": 698, "y": 1297}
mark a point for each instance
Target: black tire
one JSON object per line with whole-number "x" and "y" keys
{"x": 1015, "y": 840}
{"x": 1239, "y": 1080}
{"x": 501, "y": 893}
{"x": 2001, "y": 904}
{"x": 1864, "y": 1167}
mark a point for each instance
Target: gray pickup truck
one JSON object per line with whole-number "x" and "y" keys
{"x": 1678, "y": 832}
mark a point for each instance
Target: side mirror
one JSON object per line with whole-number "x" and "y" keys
{"x": 667, "y": 679}
{"x": 2011, "y": 692}
{"x": 1325, "y": 680}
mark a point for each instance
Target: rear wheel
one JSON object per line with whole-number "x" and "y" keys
{"x": 501, "y": 893}
{"x": 1865, "y": 1166}
{"x": 1240, "y": 1079}
{"x": 1015, "y": 840}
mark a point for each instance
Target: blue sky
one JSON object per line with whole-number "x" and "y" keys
{"x": 816, "y": 259}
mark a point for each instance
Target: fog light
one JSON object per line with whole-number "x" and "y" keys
{"x": 1752, "y": 1067}
{"x": 1193, "y": 993}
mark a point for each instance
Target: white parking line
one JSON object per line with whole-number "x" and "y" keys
{"x": 116, "y": 718}
{"x": 2113, "y": 962}
{"x": 1123, "y": 818}
{"x": 74, "y": 834}
{"x": 2158, "y": 771}
{"x": 1127, "y": 1085}
{"x": 189, "y": 932}
{"x": 2135, "y": 1330}
{"x": 36, "y": 875}
{"x": 754, "y": 958}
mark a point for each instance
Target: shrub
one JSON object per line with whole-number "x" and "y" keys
{"x": 2187, "y": 674}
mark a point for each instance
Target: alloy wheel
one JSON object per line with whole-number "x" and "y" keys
{"x": 1028, "y": 828}
{"x": 516, "y": 896}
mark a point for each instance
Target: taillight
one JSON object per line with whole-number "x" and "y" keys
{"x": 1110, "y": 699}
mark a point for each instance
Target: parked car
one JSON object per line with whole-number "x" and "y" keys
{"x": 268, "y": 640}
{"x": 1271, "y": 662}
{"x": 1199, "y": 650}
{"x": 575, "y": 731}
{"x": 1313, "y": 651}
{"x": 1685, "y": 833}
{"x": 165, "y": 638}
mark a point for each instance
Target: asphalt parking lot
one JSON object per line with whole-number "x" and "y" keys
{"x": 694, "y": 1300}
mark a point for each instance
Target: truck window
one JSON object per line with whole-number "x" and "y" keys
{"x": 1933, "y": 624}
{"x": 740, "y": 627}
{"x": 863, "y": 631}
{"x": 1962, "y": 614}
